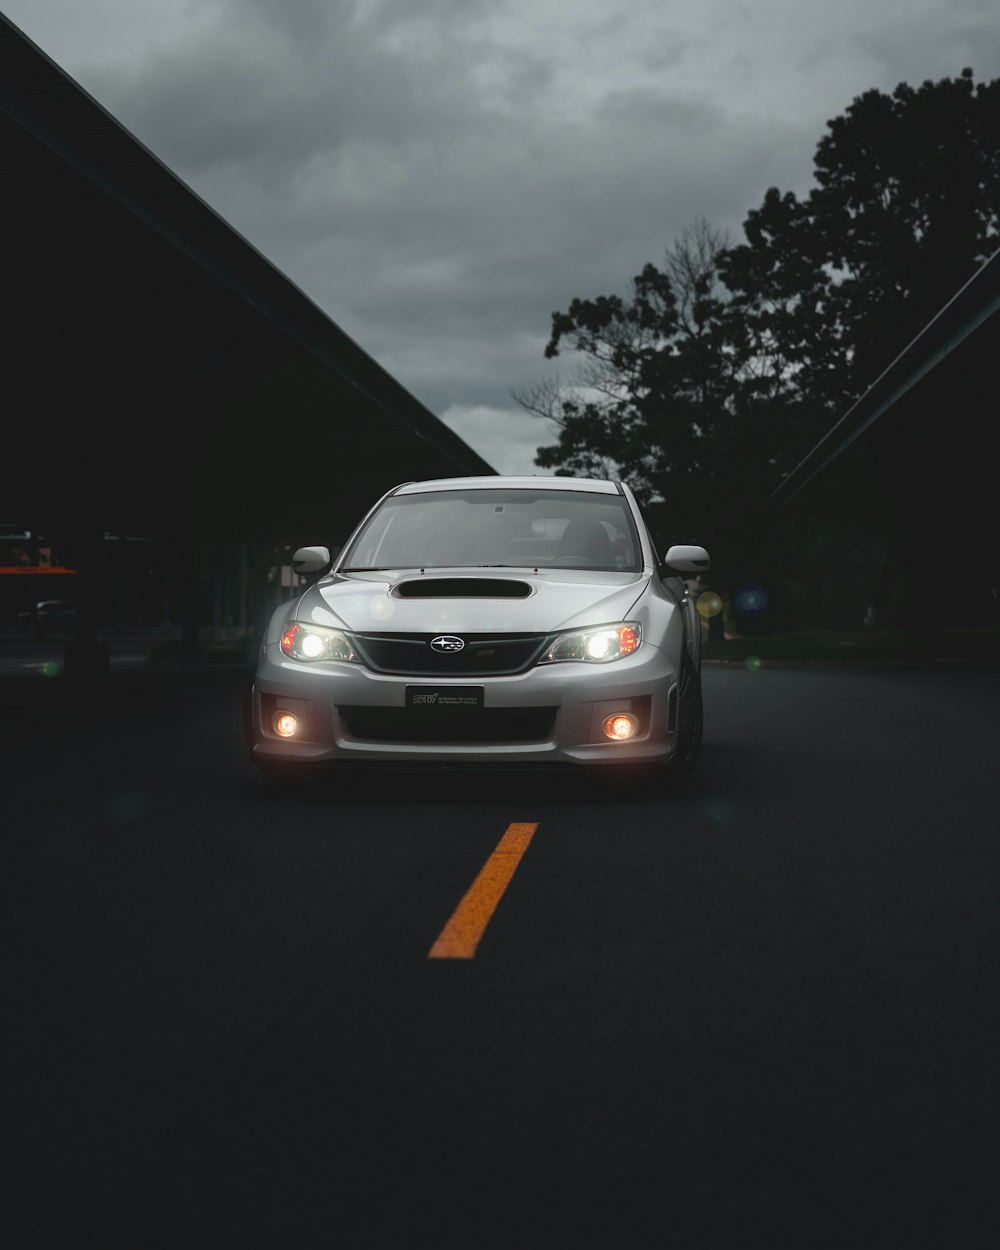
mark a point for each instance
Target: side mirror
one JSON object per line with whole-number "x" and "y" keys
{"x": 310, "y": 560}
{"x": 685, "y": 559}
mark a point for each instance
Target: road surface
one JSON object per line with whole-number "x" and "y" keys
{"x": 762, "y": 1010}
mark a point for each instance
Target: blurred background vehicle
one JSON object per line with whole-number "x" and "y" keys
{"x": 49, "y": 618}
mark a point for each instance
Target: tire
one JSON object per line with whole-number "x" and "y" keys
{"x": 647, "y": 780}
{"x": 248, "y": 728}
{"x": 690, "y": 726}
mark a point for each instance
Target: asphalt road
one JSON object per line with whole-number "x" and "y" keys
{"x": 761, "y": 1011}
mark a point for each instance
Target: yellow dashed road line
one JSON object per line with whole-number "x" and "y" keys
{"x": 460, "y": 936}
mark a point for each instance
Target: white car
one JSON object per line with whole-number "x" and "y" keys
{"x": 487, "y": 620}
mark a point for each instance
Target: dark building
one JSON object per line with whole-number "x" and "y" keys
{"x": 177, "y": 415}
{"x": 909, "y": 474}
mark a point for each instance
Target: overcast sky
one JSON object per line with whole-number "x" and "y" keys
{"x": 440, "y": 176}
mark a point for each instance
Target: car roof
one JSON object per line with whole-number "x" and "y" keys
{"x": 599, "y": 486}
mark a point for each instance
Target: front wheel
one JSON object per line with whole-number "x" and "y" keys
{"x": 647, "y": 779}
{"x": 690, "y": 725}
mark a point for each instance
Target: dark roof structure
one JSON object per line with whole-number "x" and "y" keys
{"x": 915, "y": 456}
{"x": 159, "y": 373}
{"x": 955, "y": 350}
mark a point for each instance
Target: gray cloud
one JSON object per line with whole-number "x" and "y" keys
{"x": 441, "y": 177}
{"x": 968, "y": 35}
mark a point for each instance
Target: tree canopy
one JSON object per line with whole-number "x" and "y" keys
{"x": 725, "y": 364}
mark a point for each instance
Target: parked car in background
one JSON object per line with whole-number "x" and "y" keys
{"x": 49, "y": 617}
{"x": 491, "y": 620}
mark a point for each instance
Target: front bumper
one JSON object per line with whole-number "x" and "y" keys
{"x": 552, "y": 714}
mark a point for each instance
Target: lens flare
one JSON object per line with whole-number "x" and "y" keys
{"x": 50, "y": 669}
{"x": 381, "y": 607}
{"x": 753, "y": 663}
{"x": 128, "y": 805}
{"x": 750, "y": 600}
{"x": 708, "y": 604}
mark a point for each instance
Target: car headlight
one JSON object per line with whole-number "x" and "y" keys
{"x": 596, "y": 646}
{"x": 316, "y": 642}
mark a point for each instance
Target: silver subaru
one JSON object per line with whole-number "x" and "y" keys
{"x": 516, "y": 621}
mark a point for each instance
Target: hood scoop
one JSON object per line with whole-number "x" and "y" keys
{"x": 462, "y": 588}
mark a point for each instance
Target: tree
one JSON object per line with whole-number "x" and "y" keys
{"x": 725, "y": 366}
{"x": 648, "y": 399}
{"x": 906, "y": 207}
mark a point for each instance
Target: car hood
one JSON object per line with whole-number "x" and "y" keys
{"x": 507, "y": 601}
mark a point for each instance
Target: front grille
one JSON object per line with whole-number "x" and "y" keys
{"x": 483, "y": 655}
{"x": 448, "y": 725}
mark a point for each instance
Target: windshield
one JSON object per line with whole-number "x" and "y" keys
{"x": 498, "y": 529}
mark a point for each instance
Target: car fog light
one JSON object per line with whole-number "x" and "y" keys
{"x": 285, "y": 725}
{"x": 619, "y": 727}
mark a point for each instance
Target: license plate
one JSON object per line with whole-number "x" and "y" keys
{"x": 452, "y": 697}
